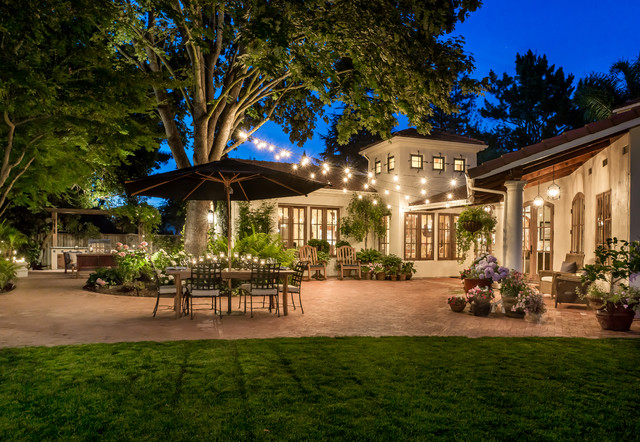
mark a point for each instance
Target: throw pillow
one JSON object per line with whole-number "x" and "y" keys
{"x": 569, "y": 267}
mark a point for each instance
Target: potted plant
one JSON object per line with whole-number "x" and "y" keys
{"x": 617, "y": 264}
{"x": 367, "y": 257}
{"x": 392, "y": 264}
{"x": 483, "y": 272}
{"x": 378, "y": 270}
{"x": 480, "y": 300}
{"x": 457, "y": 303}
{"x": 528, "y": 301}
{"x": 474, "y": 223}
{"x": 408, "y": 269}
{"x": 511, "y": 287}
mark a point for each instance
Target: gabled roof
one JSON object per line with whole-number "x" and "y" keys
{"x": 334, "y": 176}
{"x": 550, "y": 143}
{"x": 436, "y": 134}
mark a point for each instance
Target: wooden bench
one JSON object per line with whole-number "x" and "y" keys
{"x": 347, "y": 260}
{"x": 309, "y": 254}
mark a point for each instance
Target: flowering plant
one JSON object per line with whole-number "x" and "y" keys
{"x": 480, "y": 294}
{"x": 529, "y": 300}
{"x": 377, "y": 267}
{"x": 457, "y": 300}
{"x": 513, "y": 284}
{"x": 485, "y": 267}
{"x": 132, "y": 261}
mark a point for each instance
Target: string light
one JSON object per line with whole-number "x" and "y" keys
{"x": 370, "y": 174}
{"x": 313, "y": 175}
{"x": 426, "y": 201}
{"x": 345, "y": 179}
{"x": 386, "y": 192}
{"x": 373, "y": 181}
{"x": 397, "y": 186}
{"x": 453, "y": 181}
{"x": 395, "y": 178}
{"x": 388, "y": 206}
{"x": 449, "y": 195}
{"x": 423, "y": 192}
{"x": 366, "y": 186}
{"x": 423, "y": 181}
{"x": 359, "y": 197}
{"x": 375, "y": 202}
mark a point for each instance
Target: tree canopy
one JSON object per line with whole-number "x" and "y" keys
{"x": 230, "y": 66}
{"x": 533, "y": 105}
{"x": 64, "y": 101}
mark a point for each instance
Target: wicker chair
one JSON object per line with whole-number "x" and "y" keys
{"x": 569, "y": 289}
{"x": 546, "y": 276}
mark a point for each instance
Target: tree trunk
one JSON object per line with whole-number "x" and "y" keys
{"x": 195, "y": 227}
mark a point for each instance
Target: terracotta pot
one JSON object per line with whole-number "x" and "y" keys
{"x": 481, "y": 309}
{"x": 507, "y": 303}
{"x": 457, "y": 307}
{"x": 380, "y": 276}
{"x": 392, "y": 276}
{"x": 409, "y": 275}
{"x": 617, "y": 320}
{"x": 470, "y": 283}
{"x": 402, "y": 277}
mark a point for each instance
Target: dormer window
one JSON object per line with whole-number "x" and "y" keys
{"x": 438, "y": 163}
{"x": 416, "y": 161}
{"x": 391, "y": 163}
{"x": 378, "y": 167}
{"x": 459, "y": 164}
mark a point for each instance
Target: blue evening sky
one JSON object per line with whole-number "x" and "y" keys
{"x": 579, "y": 36}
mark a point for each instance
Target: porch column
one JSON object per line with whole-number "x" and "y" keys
{"x": 513, "y": 218}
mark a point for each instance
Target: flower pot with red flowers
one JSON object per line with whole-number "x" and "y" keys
{"x": 480, "y": 299}
{"x": 457, "y": 303}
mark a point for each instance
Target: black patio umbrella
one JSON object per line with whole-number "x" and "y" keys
{"x": 230, "y": 179}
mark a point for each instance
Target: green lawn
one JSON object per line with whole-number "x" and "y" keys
{"x": 321, "y": 388}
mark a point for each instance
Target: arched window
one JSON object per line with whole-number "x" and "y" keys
{"x": 577, "y": 224}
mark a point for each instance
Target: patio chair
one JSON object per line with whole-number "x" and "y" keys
{"x": 569, "y": 289}
{"x": 161, "y": 289}
{"x": 309, "y": 255}
{"x": 295, "y": 284}
{"x": 69, "y": 264}
{"x": 205, "y": 282}
{"x": 572, "y": 263}
{"x": 264, "y": 282}
{"x": 347, "y": 260}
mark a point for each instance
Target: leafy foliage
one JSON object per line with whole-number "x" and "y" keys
{"x": 66, "y": 111}
{"x": 321, "y": 245}
{"x": 10, "y": 239}
{"x": 367, "y": 256}
{"x": 346, "y": 153}
{"x": 259, "y": 220}
{"x": 134, "y": 216}
{"x": 363, "y": 217}
{"x": 8, "y": 271}
{"x": 464, "y": 238}
{"x": 533, "y": 105}
{"x": 598, "y": 94}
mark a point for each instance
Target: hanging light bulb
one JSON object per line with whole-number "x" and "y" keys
{"x": 395, "y": 178}
{"x": 423, "y": 192}
{"x": 346, "y": 170}
{"x": 449, "y": 196}
{"x": 423, "y": 181}
{"x": 553, "y": 191}
{"x": 366, "y": 186}
{"x": 373, "y": 181}
{"x": 375, "y": 202}
{"x": 386, "y": 192}
{"x": 397, "y": 186}
{"x": 313, "y": 175}
{"x": 388, "y": 206}
{"x": 426, "y": 201}
{"x": 295, "y": 167}
{"x": 359, "y": 197}
{"x": 538, "y": 201}
{"x": 406, "y": 197}
{"x": 370, "y": 174}
{"x": 453, "y": 181}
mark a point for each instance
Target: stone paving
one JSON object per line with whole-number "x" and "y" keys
{"x": 50, "y": 308}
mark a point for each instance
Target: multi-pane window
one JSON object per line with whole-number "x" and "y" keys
{"x": 418, "y": 236}
{"x": 447, "y": 236}
{"x": 459, "y": 164}
{"x": 577, "y": 224}
{"x": 391, "y": 163}
{"x": 378, "y": 166}
{"x": 324, "y": 225}
{"x": 292, "y": 225}
{"x": 603, "y": 218}
{"x": 383, "y": 241}
{"x": 438, "y": 163}
{"x": 416, "y": 161}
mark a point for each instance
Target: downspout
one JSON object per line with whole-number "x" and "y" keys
{"x": 470, "y": 187}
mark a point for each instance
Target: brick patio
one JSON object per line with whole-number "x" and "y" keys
{"x": 50, "y": 308}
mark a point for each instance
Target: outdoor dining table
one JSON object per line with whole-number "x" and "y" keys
{"x": 238, "y": 274}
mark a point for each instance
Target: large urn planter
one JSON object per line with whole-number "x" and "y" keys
{"x": 508, "y": 302}
{"x": 470, "y": 283}
{"x": 618, "y": 319}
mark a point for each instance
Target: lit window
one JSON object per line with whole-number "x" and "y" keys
{"x": 459, "y": 164}
{"x": 378, "y": 167}
{"x": 391, "y": 163}
{"x": 292, "y": 224}
{"x": 416, "y": 161}
{"x": 438, "y": 163}
{"x": 418, "y": 236}
{"x": 325, "y": 225}
{"x": 447, "y": 236}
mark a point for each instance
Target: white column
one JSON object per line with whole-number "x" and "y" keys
{"x": 513, "y": 218}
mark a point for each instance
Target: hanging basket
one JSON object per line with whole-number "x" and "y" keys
{"x": 472, "y": 226}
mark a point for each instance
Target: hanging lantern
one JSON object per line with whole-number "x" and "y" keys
{"x": 553, "y": 191}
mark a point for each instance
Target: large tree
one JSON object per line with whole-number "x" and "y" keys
{"x": 65, "y": 102}
{"x": 533, "y": 105}
{"x": 598, "y": 94}
{"x": 346, "y": 154}
{"x": 223, "y": 67}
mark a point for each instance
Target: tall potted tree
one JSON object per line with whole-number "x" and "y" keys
{"x": 617, "y": 264}
{"x": 474, "y": 223}
{"x": 364, "y": 215}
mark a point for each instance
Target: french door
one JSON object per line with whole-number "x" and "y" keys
{"x": 537, "y": 239}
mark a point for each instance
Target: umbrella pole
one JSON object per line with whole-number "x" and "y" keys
{"x": 229, "y": 242}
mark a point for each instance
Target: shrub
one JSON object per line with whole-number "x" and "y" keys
{"x": 343, "y": 243}
{"x": 369, "y": 255}
{"x": 391, "y": 263}
{"x": 320, "y": 244}
{"x": 8, "y": 271}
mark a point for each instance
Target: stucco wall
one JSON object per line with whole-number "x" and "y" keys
{"x": 592, "y": 178}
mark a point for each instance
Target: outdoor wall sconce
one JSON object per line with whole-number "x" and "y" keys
{"x": 553, "y": 191}
{"x": 210, "y": 216}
